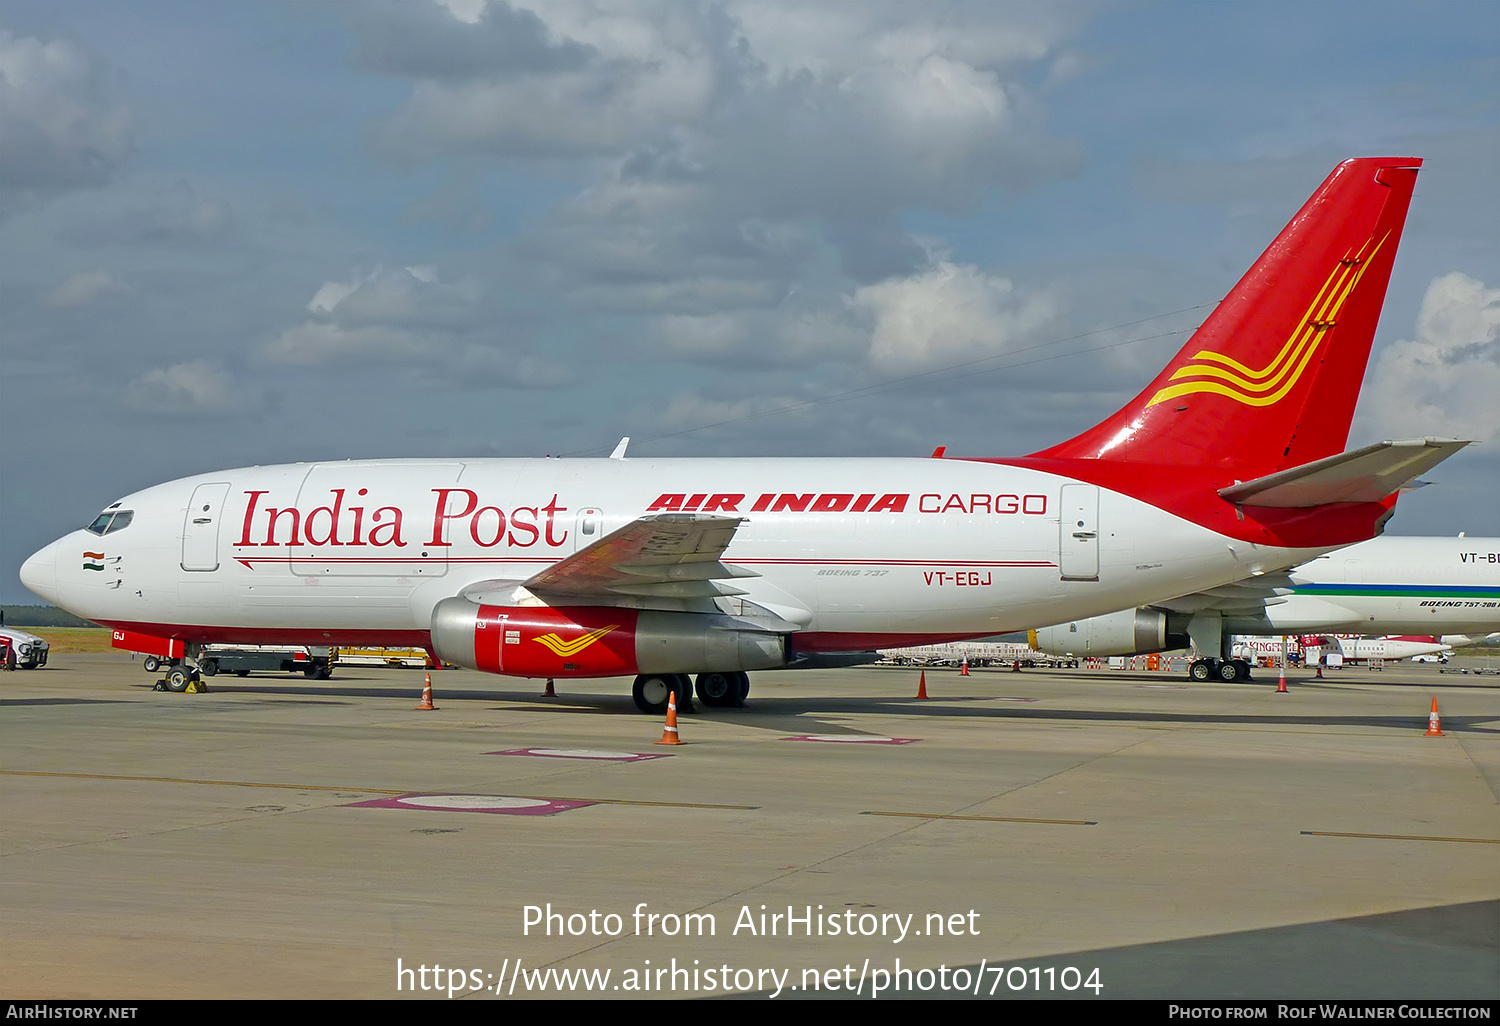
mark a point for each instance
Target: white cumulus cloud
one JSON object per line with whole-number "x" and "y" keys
{"x": 946, "y": 314}
{"x": 1443, "y": 382}
{"x": 409, "y": 318}
{"x": 83, "y": 288}
{"x": 61, "y": 126}
{"x": 191, "y": 389}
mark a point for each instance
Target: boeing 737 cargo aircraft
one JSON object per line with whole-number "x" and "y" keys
{"x": 1229, "y": 464}
{"x": 1309, "y": 648}
{"x": 1412, "y": 586}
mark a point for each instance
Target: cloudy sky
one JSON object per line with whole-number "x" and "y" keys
{"x": 239, "y": 233}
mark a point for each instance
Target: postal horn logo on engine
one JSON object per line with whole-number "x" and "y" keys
{"x": 565, "y": 649}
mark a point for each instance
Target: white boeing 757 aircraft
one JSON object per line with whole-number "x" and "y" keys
{"x": 1229, "y": 464}
{"x": 1386, "y": 586}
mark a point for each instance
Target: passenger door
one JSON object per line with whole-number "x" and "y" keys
{"x": 1078, "y": 554}
{"x": 200, "y": 527}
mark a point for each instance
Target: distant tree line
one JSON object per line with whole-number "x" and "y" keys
{"x": 41, "y": 616}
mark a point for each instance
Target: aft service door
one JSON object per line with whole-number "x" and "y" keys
{"x": 1079, "y": 543}
{"x": 200, "y": 527}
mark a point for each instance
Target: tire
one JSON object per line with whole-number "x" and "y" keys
{"x": 242, "y": 673}
{"x": 650, "y": 692}
{"x": 151, "y": 664}
{"x": 1229, "y": 671}
{"x": 1200, "y": 670}
{"x": 209, "y": 667}
{"x": 718, "y": 689}
{"x": 683, "y": 685}
{"x": 1244, "y": 668}
{"x": 744, "y": 682}
{"x": 178, "y": 678}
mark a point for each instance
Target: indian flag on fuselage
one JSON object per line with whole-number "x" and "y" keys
{"x": 93, "y": 561}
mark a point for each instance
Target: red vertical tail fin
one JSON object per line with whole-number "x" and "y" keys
{"x": 1270, "y": 379}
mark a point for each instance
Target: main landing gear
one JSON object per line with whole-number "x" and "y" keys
{"x": 1229, "y": 671}
{"x": 716, "y": 690}
{"x": 723, "y": 689}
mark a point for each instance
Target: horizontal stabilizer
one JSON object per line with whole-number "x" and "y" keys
{"x": 1364, "y": 475}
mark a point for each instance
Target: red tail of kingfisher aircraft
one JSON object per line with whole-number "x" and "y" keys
{"x": 1229, "y": 464}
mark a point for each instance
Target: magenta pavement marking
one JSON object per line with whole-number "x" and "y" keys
{"x": 582, "y": 753}
{"x": 852, "y": 739}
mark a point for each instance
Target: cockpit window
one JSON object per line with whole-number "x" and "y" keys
{"x": 109, "y": 522}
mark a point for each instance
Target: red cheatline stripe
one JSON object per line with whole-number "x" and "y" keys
{"x": 893, "y": 562}
{"x": 745, "y": 562}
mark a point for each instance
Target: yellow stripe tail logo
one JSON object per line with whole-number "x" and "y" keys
{"x": 1271, "y": 383}
{"x": 564, "y": 649}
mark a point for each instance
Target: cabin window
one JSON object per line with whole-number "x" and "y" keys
{"x": 109, "y": 522}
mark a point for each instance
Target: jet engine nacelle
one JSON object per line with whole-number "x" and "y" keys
{"x": 1128, "y": 632}
{"x": 597, "y": 641}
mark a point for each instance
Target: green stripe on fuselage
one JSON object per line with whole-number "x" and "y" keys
{"x": 1465, "y": 591}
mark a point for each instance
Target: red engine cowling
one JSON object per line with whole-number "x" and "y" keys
{"x": 597, "y": 641}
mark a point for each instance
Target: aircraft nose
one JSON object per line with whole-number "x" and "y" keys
{"x": 39, "y": 573}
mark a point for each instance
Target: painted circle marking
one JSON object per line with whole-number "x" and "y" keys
{"x": 581, "y": 753}
{"x": 472, "y": 801}
{"x": 847, "y": 740}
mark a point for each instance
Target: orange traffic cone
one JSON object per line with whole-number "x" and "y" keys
{"x": 963, "y": 671}
{"x": 551, "y": 692}
{"x": 1434, "y": 725}
{"x": 669, "y": 733}
{"x": 1281, "y": 687}
{"x": 922, "y": 685}
{"x": 426, "y": 702}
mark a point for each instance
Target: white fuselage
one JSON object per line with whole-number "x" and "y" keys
{"x": 1390, "y": 585}
{"x": 856, "y": 553}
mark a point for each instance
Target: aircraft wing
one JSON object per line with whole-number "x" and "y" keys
{"x": 1248, "y": 597}
{"x": 669, "y": 555}
{"x": 1252, "y": 599}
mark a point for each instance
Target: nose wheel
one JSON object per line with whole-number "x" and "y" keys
{"x": 179, "y": 677}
